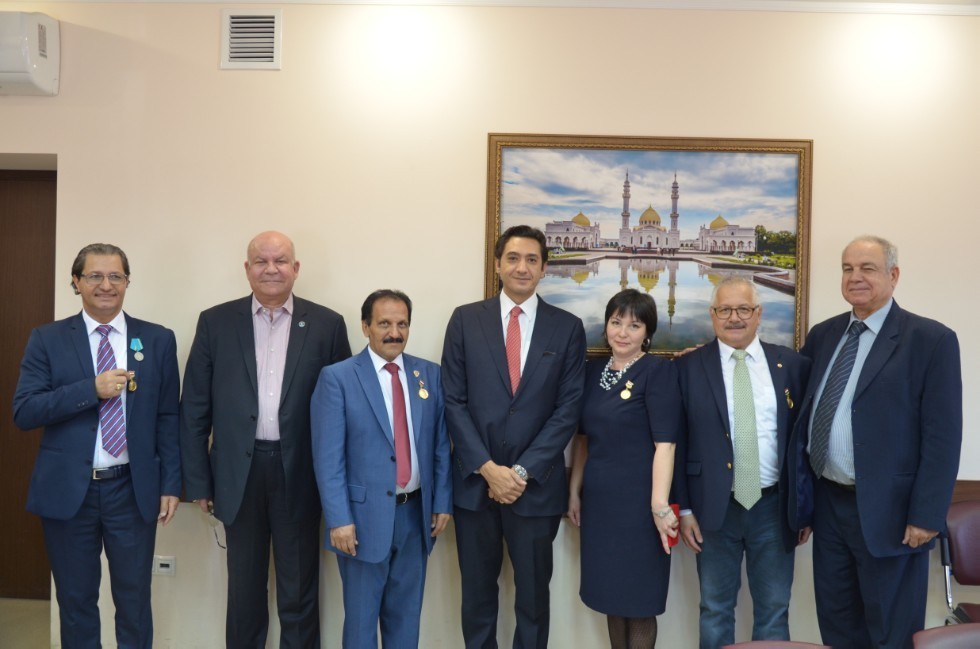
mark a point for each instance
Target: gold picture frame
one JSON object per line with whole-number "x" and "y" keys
{"x": 586, "y": 192}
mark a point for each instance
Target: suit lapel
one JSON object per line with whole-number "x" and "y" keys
{"x": 82, "y": 347}
{"x": 368, "y": 378}
{"x": 246, "y": 337}
{"x": 711, "y": 358}
{"x": 884, "y": 345}
{"x": 822, "y": 362}
{"x": 133, "y": 330}
{"x": 541, "y": 337}
{"x": 778, "y": 373}
{"x": 297, "y": 337}
{"x": 492, "y": 325}
{"x": 417, "y": 403}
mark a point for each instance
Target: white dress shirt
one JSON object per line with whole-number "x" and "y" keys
{"x": 529, "y": 310}
{"x": 840, "y": 453}
{"x": 764, "y": 397}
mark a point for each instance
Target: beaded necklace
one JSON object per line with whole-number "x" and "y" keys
{"x": 611, "y": 377}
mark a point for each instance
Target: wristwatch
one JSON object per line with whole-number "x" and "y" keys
{"x": 663, "y": 512}
{"x": 519, "y": 470}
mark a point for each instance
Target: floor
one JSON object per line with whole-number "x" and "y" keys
{"x": 25, "y": 623}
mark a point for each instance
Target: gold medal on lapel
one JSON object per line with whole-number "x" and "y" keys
{"x": 789, "y": 400}
{"x": 626, "y": 394}
{"x": 422, "y": 391}
{"x": 132, "y": 384}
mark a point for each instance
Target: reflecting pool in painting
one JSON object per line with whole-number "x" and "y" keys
{"x": 681, "y": 288}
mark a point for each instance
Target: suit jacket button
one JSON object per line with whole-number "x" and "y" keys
{"x": 391, "y": 493}
{"x": 392, "y": 458}
{"x": 729, "y": 465}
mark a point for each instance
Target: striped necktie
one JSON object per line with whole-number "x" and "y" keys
{"x": 111, "y": 416}
{"x": 823, "y": 418}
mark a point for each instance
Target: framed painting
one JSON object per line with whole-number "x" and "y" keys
{"x": 667, "y": 216}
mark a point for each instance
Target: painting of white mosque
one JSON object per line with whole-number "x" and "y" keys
{"x": 669, "y": 217}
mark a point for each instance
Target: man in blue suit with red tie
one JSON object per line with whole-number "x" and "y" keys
{"x": 880, "y": 426}
{"x": 513, "y": 368}
{"x": 381, "y": 458}
{"x": 104, "y": 387}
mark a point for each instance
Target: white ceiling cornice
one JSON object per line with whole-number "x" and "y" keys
{"x": 954, "y": 8}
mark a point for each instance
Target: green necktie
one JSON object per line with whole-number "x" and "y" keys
{"x": 747, "y": 486}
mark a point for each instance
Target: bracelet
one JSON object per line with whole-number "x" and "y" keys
{"x": 663, "y": 513}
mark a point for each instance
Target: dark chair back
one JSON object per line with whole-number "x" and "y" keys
{"x": 956, "y": 636}
{"x": 964, "y": 541}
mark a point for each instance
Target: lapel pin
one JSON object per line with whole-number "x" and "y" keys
{"x": 626, "y": 394}
{"x": 779, "y": 365}
{"x": 415, "y": 373}
{"x": 422, "y": 391}
{"x": 137, "y": 346}
{"x": 302, "y": 323}
{"x": 789, "y": 400}
{"x": 132, "y": 382}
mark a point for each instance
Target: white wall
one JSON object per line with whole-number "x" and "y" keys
{"x": 376, "y": 130}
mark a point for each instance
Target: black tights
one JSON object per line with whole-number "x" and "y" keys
{"x": 632, "y": 632}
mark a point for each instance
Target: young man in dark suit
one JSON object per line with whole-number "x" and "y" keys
{"x": 104, "y": 387}
{"x": 512, "y": 369}
{"x": 247, "y": 386}
{"x": 880, "y": 426}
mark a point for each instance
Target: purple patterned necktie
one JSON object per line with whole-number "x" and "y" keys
{"x": 110, "y": 410}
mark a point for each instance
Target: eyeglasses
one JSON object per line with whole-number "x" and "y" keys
{"x": 725, "y": 312}
{"x": 94, "y": 279}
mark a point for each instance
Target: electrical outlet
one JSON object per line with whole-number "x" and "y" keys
{"x": 164, "y": 565}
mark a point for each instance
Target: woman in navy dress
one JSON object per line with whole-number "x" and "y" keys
{"x": 622, "y": 466}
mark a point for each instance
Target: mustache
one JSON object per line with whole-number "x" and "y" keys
{"x": 736, "y": 325}
{"x": 393, "y": 339}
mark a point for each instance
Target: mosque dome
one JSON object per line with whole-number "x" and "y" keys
{"x": 719, "y": 222}
{"x": 650, "y": 217}
{"x": 581, "y": 219}
{"x": 580, "y": 276}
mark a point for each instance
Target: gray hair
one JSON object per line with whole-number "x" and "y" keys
{"x": 887, "y": 247}
{"x": 736, "y": 280}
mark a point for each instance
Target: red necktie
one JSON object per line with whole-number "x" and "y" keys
{"x": 111, "y": 416}
{"x": 514, "y": 348}
{"x": 403, "y": 451}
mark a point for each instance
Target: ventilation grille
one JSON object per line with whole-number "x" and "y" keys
{"x": 42, "y": 40}
{"x": 250, "y": 39}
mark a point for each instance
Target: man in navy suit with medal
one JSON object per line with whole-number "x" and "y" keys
{"x": 381, "y": 456}
{"x": 104, "y": 386}
{"x": 731, "y": 475}
{"x": 880, "y": 426}
{"x": 513, "y": 372}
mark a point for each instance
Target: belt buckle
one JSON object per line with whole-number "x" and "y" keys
{"x": 401, "y": 499}
{"x": 95, "y": 474}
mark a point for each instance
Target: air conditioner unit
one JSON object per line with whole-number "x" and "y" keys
{"x": 30, "y": 54}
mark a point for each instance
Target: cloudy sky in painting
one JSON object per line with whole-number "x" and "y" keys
{"x": 540, "y": 185}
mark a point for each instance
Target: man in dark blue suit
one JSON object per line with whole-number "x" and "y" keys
{"x": 513, "y": 371}
{"x": 245, "y": 441}
{"x": 731, "y": 477}
{"x": 381, "y": 456}
{"x": 105, "y": 388}
{"x": 880, "y": 425}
